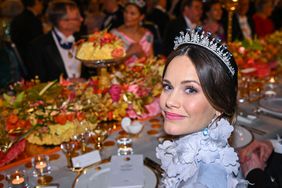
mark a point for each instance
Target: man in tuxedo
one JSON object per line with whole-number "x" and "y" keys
{"x": 113, "y": 14}
{"x": 159, "y": 15}
{"x": 242, "y": 24}
{"x": 190, "y": 18}
{"x": 27, "y": 26}
{"x": 53, "y": 54}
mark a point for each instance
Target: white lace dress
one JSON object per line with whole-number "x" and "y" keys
{"x": 202, "y": 159}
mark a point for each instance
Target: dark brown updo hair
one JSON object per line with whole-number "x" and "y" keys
{"x": 218, "y": 84}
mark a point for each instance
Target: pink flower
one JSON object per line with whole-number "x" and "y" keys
{"x": 133, "y": 89}
{"x": 115, "y": 92}
{"x": 153, "y": 108}
{"x": 131, "y": 113}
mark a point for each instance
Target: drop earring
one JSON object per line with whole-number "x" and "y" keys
{"x": 206, "y": 131}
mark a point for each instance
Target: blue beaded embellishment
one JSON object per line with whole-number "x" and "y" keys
{"x": 205, "y": 131}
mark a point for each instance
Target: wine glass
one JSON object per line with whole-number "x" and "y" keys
{"x": 67, "y": 148}
{"x": 83, "y": 133}
{"x": 100, "y": 134}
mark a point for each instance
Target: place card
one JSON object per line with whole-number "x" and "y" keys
{"x": 86, "y": 159}
{"x": 127, "y": 171}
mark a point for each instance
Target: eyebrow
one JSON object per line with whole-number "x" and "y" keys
{"x": 184, "y": 82}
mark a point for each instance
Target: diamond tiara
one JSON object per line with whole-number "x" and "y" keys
{"x": 205, "y": 39}
{"x": 139, "y": 3}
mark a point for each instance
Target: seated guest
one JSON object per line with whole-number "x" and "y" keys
{"x": 213, "y": 14}
{"x": 261, "y": 165}
{"x": 243, "y": 25}
{"x": 191, "y": 17}
{"x": 159, "y": 15}
{"x": 113, "y": 14}
{"x": 27, "y": 26}
{"x": 263, "y": 24}
{"x": 53, "y": 54}
{"x": 198, "y": 103}
{"x": 138, "y": 40}
{"x": 93, "y": 17}
{"x": 11, "y": 67}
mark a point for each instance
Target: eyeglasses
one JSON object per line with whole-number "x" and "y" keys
{"x": 73, "y": 19}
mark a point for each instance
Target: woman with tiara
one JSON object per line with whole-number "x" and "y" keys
{"x": 138, "y": 40}
{"x": 198, "y": 103}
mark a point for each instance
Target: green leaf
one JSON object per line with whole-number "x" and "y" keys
{"x": 19, "y": 98}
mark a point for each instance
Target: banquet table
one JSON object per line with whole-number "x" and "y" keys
{"x": 145, "y": 144}
{"x": 262, "y": 126}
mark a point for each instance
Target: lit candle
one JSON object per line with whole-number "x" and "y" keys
{"x": 18, "y": 180}
{"x": 272, "y": 80}
{"x": 40, "y": 165}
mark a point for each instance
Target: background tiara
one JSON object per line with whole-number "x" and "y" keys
{"x": 139, "y": 3}
{"x": 205, "y": 39}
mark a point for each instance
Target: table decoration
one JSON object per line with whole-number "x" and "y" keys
{"x": 260, "y": 56}
{"x": 18, "y": 179}
{"x": 40, "y": 165}
{"x": 46, "y": 113}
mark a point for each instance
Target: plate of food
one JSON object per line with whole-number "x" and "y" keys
{"x": 98, "y": 176}
{"x": 100, "y": 49}
{"x": 240, "y": 137}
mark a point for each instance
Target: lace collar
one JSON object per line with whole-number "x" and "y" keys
{"x": 180, "y": 158}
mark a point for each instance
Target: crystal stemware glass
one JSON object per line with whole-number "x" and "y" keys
{"x": 67, "y": 148}
{"x": 83, "y": 133}
{"x": 100, "y": 134}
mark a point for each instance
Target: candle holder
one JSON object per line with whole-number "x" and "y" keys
{"x": 41, "y": 165}
{"x": 18, "y": 179}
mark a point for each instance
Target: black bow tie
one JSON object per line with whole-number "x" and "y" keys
{"x": 65, "y": 45}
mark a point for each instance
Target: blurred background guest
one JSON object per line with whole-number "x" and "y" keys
{"x": 190, "y": 18}
{"x": 212, "y": 19}
{"x": 159, "y": 15}
{"x": 277, "y": 14}
{"x": 27, "y": 26}
{"x": 138, "y": 40}
{"x": 93, "y": 16}
{"x": 113, "y": 14}
{"x": 11, "y": 66}
{"x": 242, "y": 25}
{"x": 53, "y": 53}
{"x": 263, "y": 24}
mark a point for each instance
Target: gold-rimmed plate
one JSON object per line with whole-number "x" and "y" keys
{"x": 98, "y": 176}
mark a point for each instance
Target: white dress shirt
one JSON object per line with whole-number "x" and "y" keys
{"x": 72, "y": 65}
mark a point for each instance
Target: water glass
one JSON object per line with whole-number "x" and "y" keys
{"x": 41, "y": 165}
{"x": 124, "y": 146}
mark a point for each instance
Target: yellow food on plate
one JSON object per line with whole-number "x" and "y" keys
{"x": 100, "y": 46}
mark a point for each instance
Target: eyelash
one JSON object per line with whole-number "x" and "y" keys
{"x": 166, "y": 87}
{"x": 188, "y": 89}
{"x": 191, "y": 90}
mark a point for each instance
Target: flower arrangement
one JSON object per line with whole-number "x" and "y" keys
{"x": 100, "y": 45}
{"x": 51, "y": 113}
{"x": 261, "y": 55}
